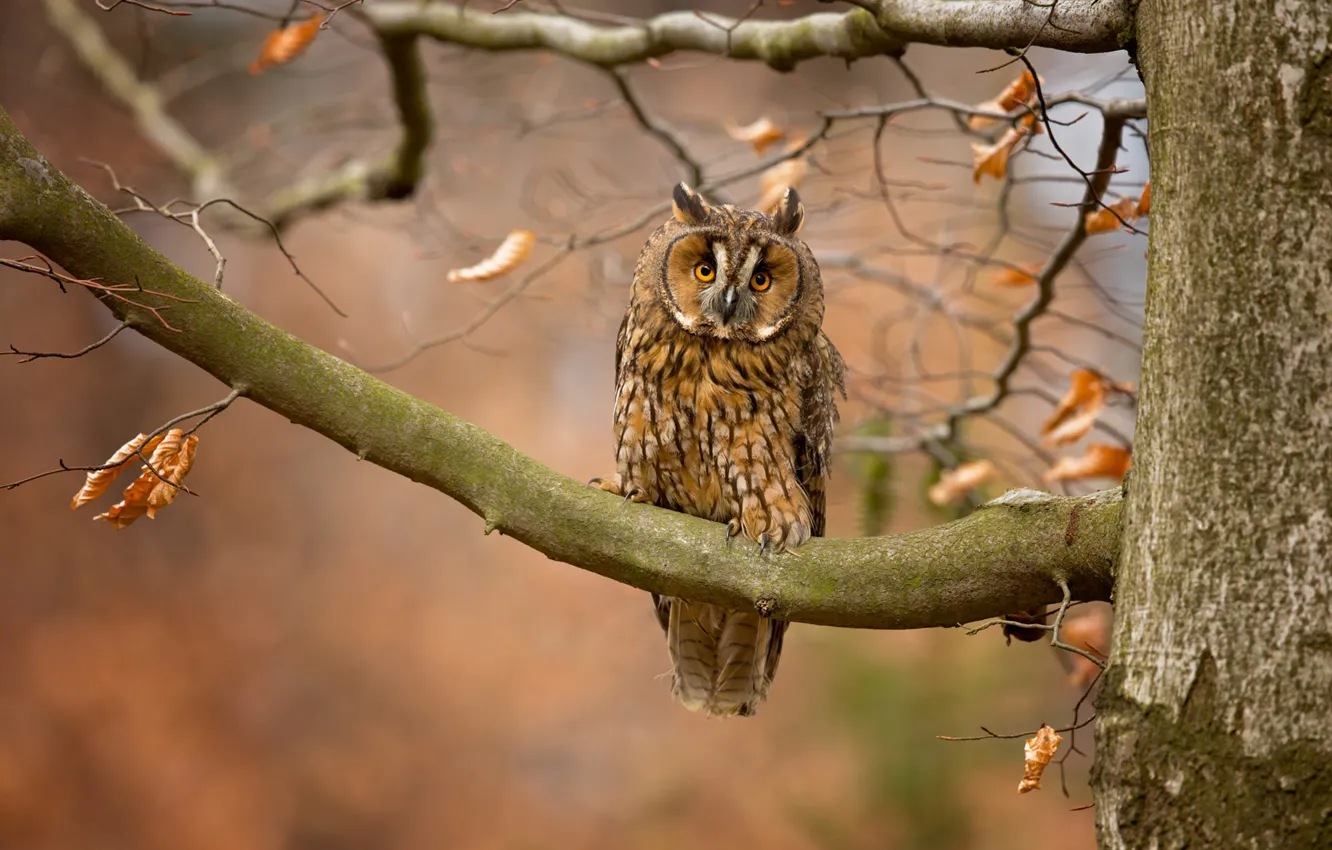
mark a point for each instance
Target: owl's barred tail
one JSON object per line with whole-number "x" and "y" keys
{"x": 723, "y": 660}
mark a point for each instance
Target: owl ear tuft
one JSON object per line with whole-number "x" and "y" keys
{"x": 688, "y": 205}
{"x": 790, "y": 213}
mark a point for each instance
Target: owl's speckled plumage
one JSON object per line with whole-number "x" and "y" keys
{"x": 724, "y": 409}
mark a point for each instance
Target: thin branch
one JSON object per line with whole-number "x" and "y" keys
{"x": 29, "y": 356}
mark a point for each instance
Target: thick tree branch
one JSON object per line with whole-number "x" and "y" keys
{"x": 1010, "y": 555}
{"x": 878, "y": 28}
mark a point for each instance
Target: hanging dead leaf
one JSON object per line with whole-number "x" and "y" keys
{"x": 1090, "y": 632}
{"x": 787, "y": 173}
{"x": 1024, "y": 275}
{"x": 1145, "y": 200}
{"x": 993, "y": 159}
{"x": 173, "y": 456}
{"x": 762, "y": 134}
{"x": 958, "y": 482}
{"x": 1037, "y": 752}
{"x": 1077, "y": 410}
{"x": 174, "y": 471}
{"x": 286, "y": 44}
{"x": 1112, "y": 217}
{"x": 99, "y": 480}
{"x": 1018, "y": 92}
{"x": 513, "y": 250}
{"x": 1100, "y": 461}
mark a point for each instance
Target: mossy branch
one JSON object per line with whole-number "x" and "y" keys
{"x": 1008, "y": 556}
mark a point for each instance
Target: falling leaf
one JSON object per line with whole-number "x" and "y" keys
{"x": 958, "y": 482}
{"x": 1100, "y": 461}
{"x": 171, "y": 460}
{"x": 1024, "y": 275}
{"x": 1145, "y": 201}
{"x": 1038, "y": 751}
{"x": 1090, "y": 632}
{"x": 774, "y": 182}
{"x": 286, "y": 44}
{"x": 99, "y": 480}
{"x": 993, "y": 159}
{"x": 1077, "y": 410}
{"x": 762, "y": 134}
{"x": 1112, "y": 217}
{"x": 513, "y": 250}
{"x": 1018, "y": 92}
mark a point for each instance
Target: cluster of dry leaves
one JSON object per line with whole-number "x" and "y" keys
{"x": 1072, "y": 418}
{"x": 992, "y": 159}
{"x": 157, "y": 484}
{"x": 773, "y": 182}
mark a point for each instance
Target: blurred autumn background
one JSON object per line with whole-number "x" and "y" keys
{"x": 315, "y": 654}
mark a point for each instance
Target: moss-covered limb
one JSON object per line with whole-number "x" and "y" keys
{"x": 880, "y": 28}
{"x": 1006, "y": 557}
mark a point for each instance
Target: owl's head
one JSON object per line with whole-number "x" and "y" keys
{"x": 735, "y": 274}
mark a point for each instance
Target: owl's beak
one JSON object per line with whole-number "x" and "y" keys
{"x": 729, "y": 303}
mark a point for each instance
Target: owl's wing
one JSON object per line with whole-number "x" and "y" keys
{"x": 827, "y": 377}
{"x": 621, "y": 340}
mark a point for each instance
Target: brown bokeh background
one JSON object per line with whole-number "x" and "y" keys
{"x": 315, "y": 654}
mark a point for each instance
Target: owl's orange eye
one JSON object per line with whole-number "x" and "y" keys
{"x": 760, "y": 281}
{"x": 705, "y": 272}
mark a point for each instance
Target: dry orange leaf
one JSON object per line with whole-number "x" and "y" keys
{"x": 1016, "y": 94}
{"x": 1100, "y": 461}
{"x": 1038, "y": 751}
{"x": 762, "y": 134}
{"x": 286, "y": 44}
{"x": 172, "y": 459}
{"x": 993, "y": 159}
{"x": 1025, "y": 275}
{"x": 956, "y": 483}
{"x": 99, "y": 480}
{"x": 1145, "y": 201}
{"x": 1110, "y": 218}
{"x": 1077, "y": 410}
{"x": 513, "y": 250}
{"x": 788, "y": 173}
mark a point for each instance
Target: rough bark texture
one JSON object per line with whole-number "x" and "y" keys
{"x": 1008, "y": 556}
{"x": 1216, "y": 717}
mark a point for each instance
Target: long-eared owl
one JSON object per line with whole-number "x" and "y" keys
{"x": 724, "y": 409}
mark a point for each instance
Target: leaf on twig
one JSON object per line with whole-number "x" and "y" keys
{"x": 993, "y": 159}
{"x": 172, "y": 459}
{"x": 1077, "y": 410}
{"x": 1145, "y": 200}
{"x": 513, "y": 250}
{"x": 762, "y": 134}
{"x": 1112, "y": 217}
{"x": 100, "y": 479}
{"x": 1024, "y": 275}
{"x": 787, "y": 173}
{"x": 1018, "y": 92}
{"x": 957, "y": 483}
{"x": 1100, "y": 461}
{"x": 1038, "y": 751}
{"x": 286, "y": 44}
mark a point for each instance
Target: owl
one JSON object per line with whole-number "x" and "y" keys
{"x": 724, "y": 409}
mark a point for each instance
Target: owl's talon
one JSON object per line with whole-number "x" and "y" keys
{"x": 763, "y": 541}
{"x": 732, "y": 530}
{"x": 637, "y": 494}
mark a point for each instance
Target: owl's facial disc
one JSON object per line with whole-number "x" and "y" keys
{"x": 729, "y": 300}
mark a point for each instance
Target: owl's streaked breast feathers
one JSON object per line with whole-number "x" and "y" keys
{"x": 725, "y": 406}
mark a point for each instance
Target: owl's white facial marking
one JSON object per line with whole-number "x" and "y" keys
{"x": 719, "y": 252}
{"x": 685, "y": 321}
{"x": 751, "y": 260}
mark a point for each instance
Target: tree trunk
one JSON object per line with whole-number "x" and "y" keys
{"x": 1216, "y": 713}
